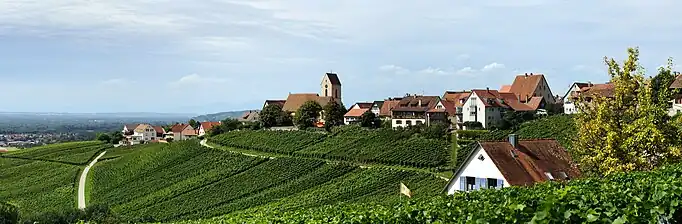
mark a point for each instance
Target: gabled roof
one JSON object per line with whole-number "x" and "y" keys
{"x": 528, "y": 162}
{"x": 525, "y": 85}
{"x": 178, "y": 128}
{"x": 606, "y": 90}
{"x": 535, "y": 102}
{"x": 208, "y": 125}
{"x": 387, "y": 107}
{"x": 456, "y": 97}
{"x": 677, "y": 84}
{"x": 505, "y": 88}
{"x": 131, "y": 127}
{"x": 355, "y": 112}
{"x": 450, "y": 107}
{"x": 364, "y": 105}
{"x": 277, "y": 102}
{"x": 379, "y": 103}
{"x": 251, "y": 115}
{"x": 296, "y": 100}
{"x": 159, "y": 129}
{"x": 417, "y": 103}
{"x": 333, "y": 78}
{"x": 141, "y": 127}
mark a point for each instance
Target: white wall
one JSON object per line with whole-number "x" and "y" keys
{"x": 202, "y": 132}
{"x": 394, "y": 122}
{"x": 677, "y": 108}
{"x": 569, "y": 105}
{"x": 348, "y": 120}
{"x": 148, "y": 134}
{"x": 477, "y": 168}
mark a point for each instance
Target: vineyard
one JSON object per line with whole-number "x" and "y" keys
{"x": 75, "y": 153}
{"x": 36, "y": 187}
{"x": 384, "y": 146}
{"x": 183, "y": 180}
{"x": 559, "y": 127}
{"x": 637, "y": 197}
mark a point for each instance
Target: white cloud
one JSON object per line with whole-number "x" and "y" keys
{"x": 198, "y": 80}
{"x": 466, "y": 71}
{"x": 394, "y": 69}
{"x": 434, "y": 71}
{"x": 492, "y": 66}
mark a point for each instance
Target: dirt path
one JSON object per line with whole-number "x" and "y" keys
{"x": 83, "y": 180}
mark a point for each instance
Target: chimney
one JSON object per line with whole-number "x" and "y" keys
{"x": 420, "y": 102}
{"x": 487, "y": 89}
{"x": 526, "y": 74}
{"x": 513, "y": 140}
{"x": 530, "y": 73}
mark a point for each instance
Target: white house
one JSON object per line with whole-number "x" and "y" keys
{"x": 355, "y": 112}
{"x": 136, "y": 134}
{"x": 183, "y": 132}
{"x": 205, "y": 127}
{"x": 569, "y": 100}
{"x": 483, "y": 106}
{"x": 512, "y": 163}
{"x": 418, "y": 110}
{"x": 676, "y": 103}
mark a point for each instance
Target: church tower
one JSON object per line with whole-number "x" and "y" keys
{"x": 331, "y": 86}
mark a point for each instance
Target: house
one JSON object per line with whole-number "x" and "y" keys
{"x": 487, "y": 106}
{"x": 529, "y": 85}
{"x": 387, "y": 106}
{"x": 159, "y": 132}
{"x": 205, "y": 127}
{"x": 140, "y": 134}
{"x": 330, "y": 90}
{"x": 355, "y": 112}
{"x": 181, "y": 132}
{"x": 498, "y": 164}
{"x": 676, "y": 102}
{"x": 249, "y": 116}
{"x": 418, "y": 110}
{"x": 275, "y": 102}
{"x": 568, "y": 101}
{"x": 589, "y": 93}
{"x": 455, "y": 103}
{"x": 376, "y": 107}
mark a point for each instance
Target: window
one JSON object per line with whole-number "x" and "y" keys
{"x": 326, "y": 93}
{"x": 408, "y": 123}
{"x": 420, "y": 122}
{"x": 481, "y": 157}
{"x": 492, "y": 183}
{"x": 398, "y": 122}
{"x": 470, "y": 183}
{"x": 549, "y": 175}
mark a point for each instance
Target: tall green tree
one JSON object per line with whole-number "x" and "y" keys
{"x": 104, "y": 137}
{"x": 270, "y": 115}
{"x": 116, "y": 137}
{"x": 369, "y": 120}
{"x": 307, "y": 114}
{"x": 333, "y": 115}
{"x": 193, "y": 123}
{"x": 660, "y": 84}
{"x": 628, "y": 132}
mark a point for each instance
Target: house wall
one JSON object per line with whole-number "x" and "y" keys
{"x": 676, "y": 107}
{"x": 569, "y": 105}
{"x": 544, "y": 91}
{"x": 349, "y": 120}
{"x": 475, "y": 110}
{"x": 202, "y": 132}
{"x": 149, "y": 134}
{"x": 403, "y": 122}
{"x": 474, "y": 167}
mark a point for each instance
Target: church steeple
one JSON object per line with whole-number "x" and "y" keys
{"x": 331, "y": 86}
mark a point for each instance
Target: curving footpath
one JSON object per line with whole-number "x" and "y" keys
{"x": 83, "y": 179}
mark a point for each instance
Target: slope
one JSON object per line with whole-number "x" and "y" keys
{"x": 183, "y": 180}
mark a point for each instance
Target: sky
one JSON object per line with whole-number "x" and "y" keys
{"x": 182, "y": 56}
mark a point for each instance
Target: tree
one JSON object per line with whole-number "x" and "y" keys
{"x": 437, "y": 130}
{"x": 333, "y": 115}
{"x": 285, "y": 119}
{"x": 629, "y": 131}
{"x": 116, "y": 137}
{"x": 473, "y": 125}
{"x": 660, "y": 84}
{"x": 270, "y": 115}
{"x": 193, "y": 123}
{"x": 307, "y": 114}
{"x": 369, "y": 120}
{"x": 513, "y": 119}
{"x": 104, "y": 137}
{"x": 227, "y": 125}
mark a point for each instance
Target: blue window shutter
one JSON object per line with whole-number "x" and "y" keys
{"x": 484, "y": 183}
{"x": 463, "y": 183}
{"x": 500, "y": 183}
{"x": 476, "y": 183}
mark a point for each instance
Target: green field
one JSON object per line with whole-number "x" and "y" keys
{"x": 351, "y": 143}
{"x": 75, "y": 153}
{"x": 183, "y": 180}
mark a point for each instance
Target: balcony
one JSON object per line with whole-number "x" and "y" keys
{"x": 408, "y": 117}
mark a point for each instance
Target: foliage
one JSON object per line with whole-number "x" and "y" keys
{"x": 307, "y": 114}
{"x": 269, "y": 141}
{"x": 167, "y": 182}
{"x": 333, "y": 115}
{"x": 629, "y": 132}
{"x": 473, "y": 125}
{"x": 36, "y": 187}
{"x": 74, "y": 153}
{"x": 513, "y": 119}
{"x": 227, "y": 125}
{"x": 103, "y": 137}
{"x": 660, "y": 85}
{"x": 369, "y": 120}
{"x": 193, "y": 123}
{"x": 560, "y": 127}
{"x": 638, "y": 197}
{"x": 385, "y": 146}
{"x": 8, "y": 214}
{"x": 116, "y": 137}
{"x": 436, "y": 130}
{"x": 270, "y": 115}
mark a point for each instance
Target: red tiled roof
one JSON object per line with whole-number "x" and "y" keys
{"x": 606, "y": 90}
{"x": 450, "y": 107}
{"x": 412, "y": 103}
{"x": 525, "y": 85}
{"x": 276, "y": 102}
{"x": 355, "y": 112}
{"x": 178, "y": 128}
{"x": 208, "y": 125}
{"x": 387, "y": 107}
{"x": 535, "y": 102}
{"x": 159, "y": 129}
{"x": 456, "y": 97}
{"x": 365, "y": 105}
{"x": 677, "y": 83}
{"x": 505, "y": 88}
{"x": 533, "y": 159}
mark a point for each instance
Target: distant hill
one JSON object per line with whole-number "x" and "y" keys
{"x": 220, "y": 116}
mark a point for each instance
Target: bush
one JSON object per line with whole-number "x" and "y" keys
{"x": 8, "y": 214}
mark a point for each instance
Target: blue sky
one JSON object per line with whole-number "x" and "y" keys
{"x": 221, "y": 55}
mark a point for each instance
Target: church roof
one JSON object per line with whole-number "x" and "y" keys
{"x": 333, "y": 78}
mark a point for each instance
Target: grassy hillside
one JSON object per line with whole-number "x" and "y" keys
{"x": 352, "y": 143}
{"x": 185, "y": 181}
{"x": 636, "y": 197}
{"x": 559, "y": 127}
